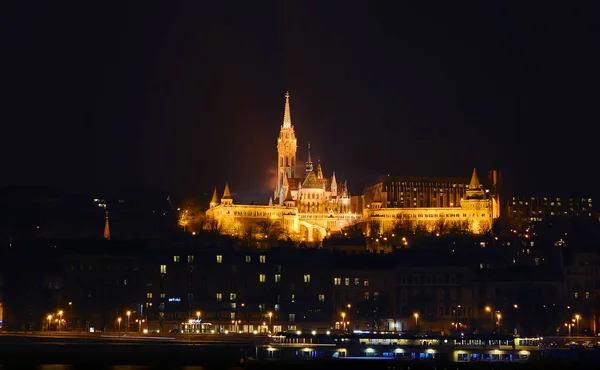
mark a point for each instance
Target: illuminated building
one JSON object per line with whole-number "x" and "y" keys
{"x": 434, "y": 204}
{"x": 540, "y": 208}
{"x": 306, "y": 207}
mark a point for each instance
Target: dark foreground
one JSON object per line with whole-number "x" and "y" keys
{"x": 124, "y": 355}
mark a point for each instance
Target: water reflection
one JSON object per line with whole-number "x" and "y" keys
{"x": 55, "y": 367}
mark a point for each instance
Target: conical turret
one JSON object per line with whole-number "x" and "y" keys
{"x": 474, "y": 191}
{"x": 226, "y": 199}
{"x": 215, "y": 199}
{"x": 333, "y": 185}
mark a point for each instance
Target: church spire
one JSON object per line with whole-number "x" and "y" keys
{"x": 287, "y": 117}
{"x": 319, "y": 169}
{"x": 106, "y": 227}
{"x": 309, "y": 164}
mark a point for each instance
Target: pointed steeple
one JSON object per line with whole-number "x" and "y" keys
{"x": 226, "y": 192}
{"x": 106, "y": 228}
{"x": 227, "y": 199}
{"x": 319, "y": 170}
{"x": 287, "y": 117}
{"x": 474, "y": 184}
{"x": 215, "y": 199}
{"x": 333, "y": 185}
{"x": 309, "y": 164}
{"x": 474, "y": 191}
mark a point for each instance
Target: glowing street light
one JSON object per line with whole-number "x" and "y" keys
{"x": 577, "y": 317}
{"x": 60, "y": 314}
{"x": 119, "y": 321}
{"x": 270, "y": 320}
{"x": 128, "y": 313}
{"x": 198, "y": 315}
{"x": 416, "y": 315}
{"x": 48, "y": 320}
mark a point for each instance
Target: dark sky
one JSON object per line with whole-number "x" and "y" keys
{"x": 185, "y": 96}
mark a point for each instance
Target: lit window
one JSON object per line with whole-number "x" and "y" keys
{"x": 162, "y": 295}
{"x": 356, "y": 281}
{"x": 219, "y": 259}
{"x": 148, "y": 304}
{"x": 347, "y": 281}
{"x": 232, "y": 296}
{"x": 232, "y": 315}
{"x": 262, "y": 278}
{"x": 321, "y": 297}
{"x": 190, "y": 259}
{"x": 263, "y": 259}
{"x": 587, "y": 295}
{"x": 233, "y": 305}
{"x": 293, "y": 298}
{"x": 366, "y": 282}
{"x": 148, "y": 295}
{"x": 277, "y": 278}
{"x": 248, "y": 259}
{"x": 576, "y": 295}
{"x": 219, "y": 297}
{"x": 175, "y": 258}
{"x": 163, "y": 269}
{"x": 307, "y": 278}
{"x": 337, "y": 281}
{"x": 367, "y": 295}
{"x": 292, "y": 317}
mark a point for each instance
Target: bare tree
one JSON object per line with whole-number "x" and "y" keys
{"x": 441, "y": 226}
{"x": 374, "y": 228}
{"x": 403, "y": 225}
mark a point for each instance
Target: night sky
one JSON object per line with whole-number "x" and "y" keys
{"x": 183, "y": 97}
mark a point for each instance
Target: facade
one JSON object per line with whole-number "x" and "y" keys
{"x": 539, "y": 208}
{"x": 305, "y": 206}
{"x": 434, "y": 204}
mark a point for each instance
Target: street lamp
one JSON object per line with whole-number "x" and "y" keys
{"x": 128, "y": 313}
{"x": 489, "y": 309}
{"x": 416, "y": 315}
{"x": 60, "y": 313}
{"x": 49, "y": 318}
{"x": 499, "y": 316}
{"x": 569, "y": 326}
{"x": 577, "y": 317}
{"x": 344, "y": 319}
{"x": 119, "y": 321}
{"x": 270, "y": 321}
{"x": 198, "y": 315}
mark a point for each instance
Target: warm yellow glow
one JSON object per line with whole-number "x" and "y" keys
{"x": 270, "y": 314}
{"x": 119, "y": 319}
{"x": 577, "y": 316}
{"x": 128, "y": 313}
{"x": 516, "y": 305}
{"x": 60, "y": 313}
{"x": 49, "y": 317}
{"x": 416, "y": 315}
{"x": 488, "y": 308}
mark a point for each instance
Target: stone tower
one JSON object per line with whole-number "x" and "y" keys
{"x": 286, "y": 148}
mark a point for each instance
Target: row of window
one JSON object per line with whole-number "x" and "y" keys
{"x": 190, "y": 259}
{"x": 338, "y": 281}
